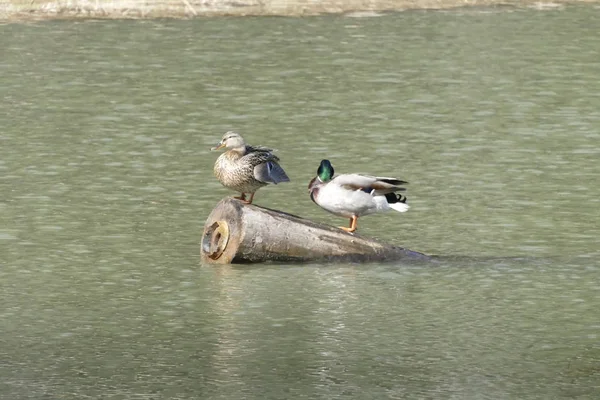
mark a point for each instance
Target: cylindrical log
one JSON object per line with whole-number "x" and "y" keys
{"x": 240, "y": 233}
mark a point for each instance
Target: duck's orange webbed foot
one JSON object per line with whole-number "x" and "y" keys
{"x": 352, "y": 227}
{"x": 242, "y": 198}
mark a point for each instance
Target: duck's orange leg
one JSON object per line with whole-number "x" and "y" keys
{"x": 241, "y": 197}
{"x": 352, "y": 227}
{"x": 251, "y": 198}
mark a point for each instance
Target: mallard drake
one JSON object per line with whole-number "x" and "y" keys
{"x": 246, "y": 168}
{"x": 355, "y": 195}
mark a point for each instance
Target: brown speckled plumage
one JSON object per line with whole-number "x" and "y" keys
{"x": 236, "y": 170}
{"x": 244, "y": 168}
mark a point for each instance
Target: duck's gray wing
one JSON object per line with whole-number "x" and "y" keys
{"x": 270, "y": 172}
{"x": 375, "y": 185}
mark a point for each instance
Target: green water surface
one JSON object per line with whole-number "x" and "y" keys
{"x": 492, "y": 115}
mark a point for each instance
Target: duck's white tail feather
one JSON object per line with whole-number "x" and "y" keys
{"x": 400, "y": 207}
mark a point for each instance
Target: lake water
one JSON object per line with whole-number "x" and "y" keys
{"x": 492, "y": 115}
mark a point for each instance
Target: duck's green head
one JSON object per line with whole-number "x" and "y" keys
{"x": 325, "y": 171}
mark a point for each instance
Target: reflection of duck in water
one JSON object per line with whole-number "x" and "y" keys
{"x": 355, "y": 195}
{"x": 246, "y": 168}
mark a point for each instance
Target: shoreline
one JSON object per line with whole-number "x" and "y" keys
{"x": 28, "y": 10}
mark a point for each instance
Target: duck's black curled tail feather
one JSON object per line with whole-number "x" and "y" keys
{"x": 395, "y": 198}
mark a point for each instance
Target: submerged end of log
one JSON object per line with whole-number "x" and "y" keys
{"x": 236, "y": 232}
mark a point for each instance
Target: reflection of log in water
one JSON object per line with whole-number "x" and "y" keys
{"x": 239, "y": 233}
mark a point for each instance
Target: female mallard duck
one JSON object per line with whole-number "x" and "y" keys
{"x": 246, "y": 168}
{"x": 354, "y": 195}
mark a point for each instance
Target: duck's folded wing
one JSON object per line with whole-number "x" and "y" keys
{"x": 371, "y": 184}
{"x": 270, "y": 172}
{"x": 258, "y": 149}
